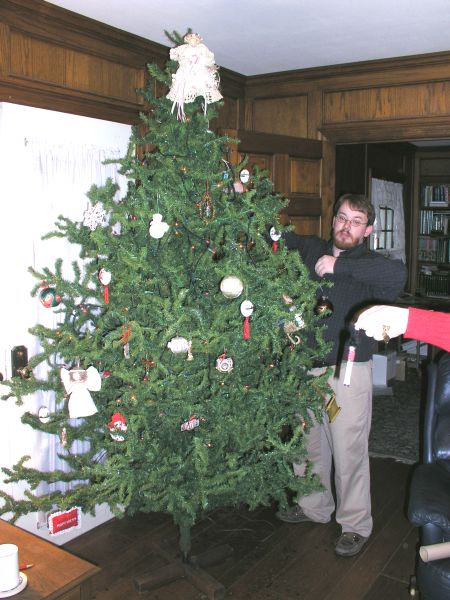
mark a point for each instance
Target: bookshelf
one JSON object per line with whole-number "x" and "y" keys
{"x": 431, "y": 250}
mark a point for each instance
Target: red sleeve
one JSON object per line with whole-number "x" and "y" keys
{"x": 429, "y": 326}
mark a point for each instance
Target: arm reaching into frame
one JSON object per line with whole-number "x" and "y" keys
{"x": 383, "y": 322}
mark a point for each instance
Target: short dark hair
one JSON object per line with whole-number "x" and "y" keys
{"x": 357, "y": 202}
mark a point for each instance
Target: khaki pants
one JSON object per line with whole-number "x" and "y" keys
{"x": 344, "y": 443}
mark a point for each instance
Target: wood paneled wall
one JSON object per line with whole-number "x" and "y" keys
{"x": 56, "y": 59}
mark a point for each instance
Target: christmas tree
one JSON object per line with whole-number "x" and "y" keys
{"x": 181, "y": 357}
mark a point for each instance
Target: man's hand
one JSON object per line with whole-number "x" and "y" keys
{"x": 325, "y": 265}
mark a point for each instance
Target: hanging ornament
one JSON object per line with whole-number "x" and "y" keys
{"x": 274, "y": 236}
{"x": 117, "y": 424}
{"x": 246, "y": 311}
{"x": 105, "y": 278}
{"x": 180, "y": 345}
{"x": 244, "y": 176}
{"x": 191, "y": 423}
{"x": 196, "y": 76}
{"x": 77, "y": 383}
{"x": 157, "y": 227}
{"x": 49, "y": 298}
{"x": 206, "y": 206}
{"x": 63, "y": 437}
{"x": 43, "y": 414}
{"x": 224, "y": 364}
{"x": 291, "y": 327}
{"x": 231, "y": 286}
{"x": 94, "y": 216}
{"x": 324, "y": 307}
{"x": 124, "y": 338}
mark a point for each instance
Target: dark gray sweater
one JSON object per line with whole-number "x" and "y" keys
{"x": 361, "y": 277}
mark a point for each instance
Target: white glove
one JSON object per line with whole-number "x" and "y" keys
{"x": 383, "y": 322}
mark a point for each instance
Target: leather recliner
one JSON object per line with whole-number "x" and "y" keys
{"x": 429, "y": 499}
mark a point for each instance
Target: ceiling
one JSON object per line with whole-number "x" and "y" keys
{"x": 254, "y": 37}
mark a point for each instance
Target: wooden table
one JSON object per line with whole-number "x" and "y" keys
{"x": 56, "y": 574}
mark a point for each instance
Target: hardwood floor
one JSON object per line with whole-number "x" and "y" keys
{"x": 271, "y": 560}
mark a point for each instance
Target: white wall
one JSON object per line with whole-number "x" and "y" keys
{"x": 48, "y": 161}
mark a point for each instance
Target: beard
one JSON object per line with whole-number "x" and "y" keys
{"x": 343, "y": 240}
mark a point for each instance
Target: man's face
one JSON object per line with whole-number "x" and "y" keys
{"x": 350, "y": 227}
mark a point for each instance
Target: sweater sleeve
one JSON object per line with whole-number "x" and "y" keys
{"x": 385, "y": 275}
{"x": 429, "y": 326}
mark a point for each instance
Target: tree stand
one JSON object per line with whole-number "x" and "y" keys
{"x": 186, "y": 566}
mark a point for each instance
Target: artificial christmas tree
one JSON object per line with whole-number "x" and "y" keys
{"x": 182, "y": 353}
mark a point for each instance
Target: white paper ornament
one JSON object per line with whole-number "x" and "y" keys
{"x": 77, "y": 383}
{"x": 94, "y": 216}
{"x": 44, "y": 414}
{"x": 157, "y": 227}
{"x": 231, "y": 286}
{"x": 104, "y": 276}
{"x": 244, "y": 175}
{"x": 246, "y": 308}
{"x": 274, "y": 234}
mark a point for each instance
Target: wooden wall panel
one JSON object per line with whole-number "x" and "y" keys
{"x": 228, "y": 114}
{"x": 305, "y": 176}
{"x": 36, "y": 59}
{"x": 55, "y": 59}
{"x": 305, "y": 225}
{"x": 282, "y": 116}
{"x": 392, "y": 102}
{"x": 100, "y": 76}
{"x": 263, "y": 161}
{"x": 44, "y": 62}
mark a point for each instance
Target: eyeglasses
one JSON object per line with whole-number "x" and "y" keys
{"x": 340, "y": 218}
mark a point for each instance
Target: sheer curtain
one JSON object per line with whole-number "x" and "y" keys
{"x": 48, "y": 162}
{"x": 388, "y": 195}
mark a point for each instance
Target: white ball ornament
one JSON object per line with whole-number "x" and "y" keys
{"x": 231, "y": 286}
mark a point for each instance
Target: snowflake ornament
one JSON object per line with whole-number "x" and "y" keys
{"x": 94, "y": 216}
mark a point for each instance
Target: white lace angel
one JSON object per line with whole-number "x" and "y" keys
{"x": 77, "y": 383}
{"x": 196, "y": 76}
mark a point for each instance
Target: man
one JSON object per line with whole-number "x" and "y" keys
{"x": 360, "y": 276}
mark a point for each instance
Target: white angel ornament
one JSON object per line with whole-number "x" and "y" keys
{"x": 77, "y": 383}
{"x": 196, "y": 76}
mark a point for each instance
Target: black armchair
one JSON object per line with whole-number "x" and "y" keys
{"x": 429, "y": 501}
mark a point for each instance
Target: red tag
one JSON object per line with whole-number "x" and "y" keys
{"x": 246, "y": 329}
{"x": 61, "y": 521}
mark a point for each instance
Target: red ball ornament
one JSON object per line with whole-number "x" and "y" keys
{"x": 49, "y": 298}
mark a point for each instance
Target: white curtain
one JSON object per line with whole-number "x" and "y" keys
{"x": 388, "y": 194}
{"x": 48, "y": 162}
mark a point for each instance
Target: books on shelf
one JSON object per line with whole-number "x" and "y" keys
{"x": 435, "y": 195}
{"x": 432, "y": 222}
{"x": 434, "y": 282}
{"x": 434, "y": 249}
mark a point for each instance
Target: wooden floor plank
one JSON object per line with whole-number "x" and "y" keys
{"x": 271, "y": 560}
